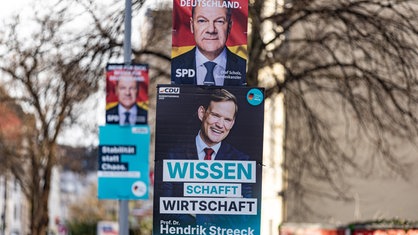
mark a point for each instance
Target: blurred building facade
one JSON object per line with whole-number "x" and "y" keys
{"x": 14, "y": 207}
{"x": 372, "y": 192}
{"x": 70, "y": 181}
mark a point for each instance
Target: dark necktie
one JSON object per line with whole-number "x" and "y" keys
{"x": 126, "y": 122}
{"x": 209, "y": 79}
{"x": 208, "y": 153}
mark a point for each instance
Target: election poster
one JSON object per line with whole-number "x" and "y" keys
{"x": 208, "y": 160}
{"x": 127, "y": 94}
{"x": 107, "y": 228}
{"x": 123, "y": 172}
{"x": 209, "y": 42}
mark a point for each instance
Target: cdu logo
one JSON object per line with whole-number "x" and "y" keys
{"x": 169, "y": 90}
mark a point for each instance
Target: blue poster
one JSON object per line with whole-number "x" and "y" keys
{"x": 123, "y": 162}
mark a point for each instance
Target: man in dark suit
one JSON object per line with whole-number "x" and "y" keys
{"x": 217, "y": 119}
{"x": 127, "y": 111}
{"x": 210, "y": 62}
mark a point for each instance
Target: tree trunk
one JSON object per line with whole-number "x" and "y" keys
{"x": 40, "y": 195}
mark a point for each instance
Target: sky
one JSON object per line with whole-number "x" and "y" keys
{"x": 9, "y": 7}
{"x": 74, "y": 136}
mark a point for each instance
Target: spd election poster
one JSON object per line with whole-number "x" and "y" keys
{"x": 123, "y": 162}
{"x": 208, "y": 160}
{"x": 213, "y": 31}
{"x": 127, "y": 94}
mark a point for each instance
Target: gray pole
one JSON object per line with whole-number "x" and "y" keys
{"x": 124, "y": 204}
{"x": 4, "y": 212}
{"x": 123, "y": 217}
{"x": 127, "y": 37}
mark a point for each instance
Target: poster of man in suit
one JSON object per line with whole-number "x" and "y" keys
{"x": 208, "y": 160}
{"x": 209, "y": 43}
{"x": 127, "y": 94}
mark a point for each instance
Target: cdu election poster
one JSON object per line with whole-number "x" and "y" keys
{"x": 208, "y": 160}
{"x": 127, "y": 94}
{"x": 123, "y": 162}
{"x": 209, "y": 42}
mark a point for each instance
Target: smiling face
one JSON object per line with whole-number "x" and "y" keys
{"x": 126, "y": 91}
{"x": 210, "y": 27}
{"x": 217, "y": 120}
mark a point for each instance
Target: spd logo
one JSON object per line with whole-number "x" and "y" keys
{"x": 169, "y": 90}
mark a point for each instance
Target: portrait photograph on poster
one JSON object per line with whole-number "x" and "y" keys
{"x": 208, "y": 160}
{"x": 127, "y": 94}
{"x": 209, "y": 42}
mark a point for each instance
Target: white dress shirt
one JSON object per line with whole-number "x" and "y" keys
{"x": 200, "y": 146}
{"x": 132, "y": 115}
{"x": 218, "y": 71}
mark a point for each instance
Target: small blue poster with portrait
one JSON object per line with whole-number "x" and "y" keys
{"x": 123, "y": 172}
